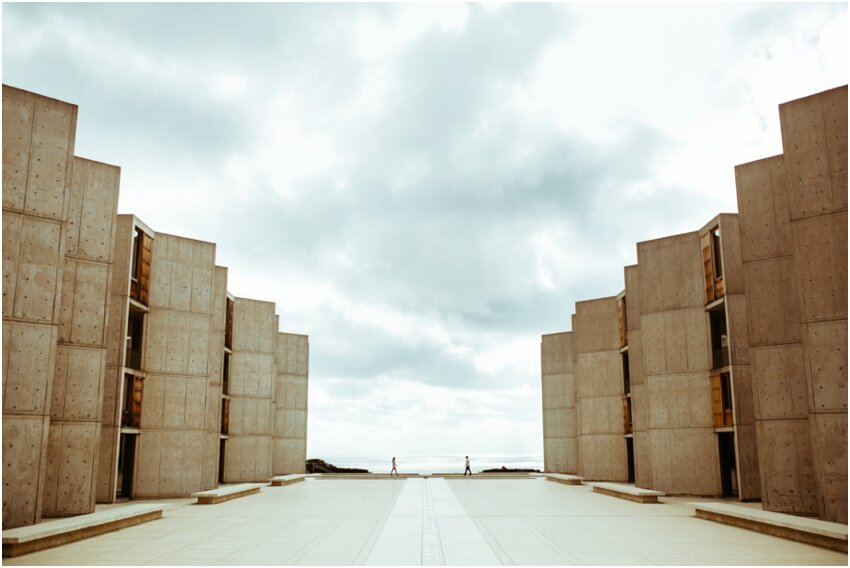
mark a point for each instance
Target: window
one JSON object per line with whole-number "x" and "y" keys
{"x": 721, "y": 399}
{"x": 131, "y": 411}
{"x": 719, "y": 338}
{"x": 135, "y": 335}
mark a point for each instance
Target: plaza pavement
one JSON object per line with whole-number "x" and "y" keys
{"x": 431, "y": 521}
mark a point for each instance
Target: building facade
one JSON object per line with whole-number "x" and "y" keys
{"x": 119, "y": 345}
{"x": 733, "y": 340}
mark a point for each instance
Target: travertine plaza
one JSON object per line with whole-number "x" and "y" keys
{"x": 129, "y": 371}
{"x": 721, "y": 369}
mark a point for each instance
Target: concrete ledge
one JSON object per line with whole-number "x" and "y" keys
{"x": 564, "y": 478}
{"x": 280, "y": 480}
{"x": 629, "y": 492}
{"x": 23, "y": 540}
{"x": 802, "y": 529}
{"x": 226, "y": 493}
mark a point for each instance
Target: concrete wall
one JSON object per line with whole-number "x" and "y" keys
{"x": 559, "y": 412}
{"x": 640, "y": 402}
{"x": 38, "y": 148}
{"x": 177, "y": 342}
{"x": 814, "y": 141}
{"x": 252, "y": 382}
{"x": 75, "y": 409}
{"x": 794, "y": 244}
{"x": 599, "y": 391}
{"x": 292, "y": 361}
{"x": 675, "y": 343}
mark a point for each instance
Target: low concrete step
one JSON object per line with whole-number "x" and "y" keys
{"x": 564, "y": 478}
{"x": 625, "y": 491}
{"x": 23, "y": 540}
{"x": 802, "y": 529}
{"x": 227, "y": 492}
{"x": 280, "y": 480}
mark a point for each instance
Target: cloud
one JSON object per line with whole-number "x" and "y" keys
{"x": 425, "y": 189}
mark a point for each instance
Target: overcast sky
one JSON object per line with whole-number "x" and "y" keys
{"x": 425, "y": 189}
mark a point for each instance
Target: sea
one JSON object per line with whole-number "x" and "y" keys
{"x": 439, "y": 464}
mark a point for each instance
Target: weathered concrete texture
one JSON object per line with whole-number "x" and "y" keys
{"x": 676, "y": 347}
{"x": 637, "y": 380}
{"x": 38, "y": 146}
{"x": 212, "y": 414}
{"x": 560, "y": 448}
{"x": 177, "y": 343}
{"x": 74, "y": 439}
{"x": 290, "y": 419}
{"x": 794, "y": 244}
{"x": 599, "y": 392}
{"x": 252, "y": 381}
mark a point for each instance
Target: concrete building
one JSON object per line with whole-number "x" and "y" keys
{"x": 733, "y": 341}
{"x": 559, "y": 413}
{"x": 117, "y": 343}
{"x": 794, "y": 247}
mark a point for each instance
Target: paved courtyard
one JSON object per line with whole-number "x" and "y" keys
{"x": 431, "y": 521}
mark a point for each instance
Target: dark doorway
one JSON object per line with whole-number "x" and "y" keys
{"x": 630, "y": 458}
{"x": 221, "y": 460}
{"x": 728, "y": 466}
{"x": 126, "y": 463}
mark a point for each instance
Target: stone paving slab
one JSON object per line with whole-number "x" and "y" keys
{"x": 432, "y": 521}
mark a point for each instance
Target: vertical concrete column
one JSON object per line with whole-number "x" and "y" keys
{"x": 38, "y": 147}
{"x": 776, "y": 352}
{"x": 212, "y": 415}
{"x": 116, "y": 333}
{"x": 814, "y": 140}
{"x": 559, "y": 414}
{"x": 599, "y": 391}
{"x": 252, "y": 380}
{"x": 640, "y": 398}
{"x": 676, "y": 366}
{"x": 76, "y": 406}
{"x": 176, "y": 364}
{"x": 292, "y": 359}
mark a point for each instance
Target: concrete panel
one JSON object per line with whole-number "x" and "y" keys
{"x": 788, "y": 477}
{"x": 780, "y": 382}
{"x": 18, "y": 116}
{"x": 675, "y": 341}
{"x": 748, "y": 462}
{"x": 211, "y": 457}
{"x": 106, "y": 464}
{"x": 555, "y": 353}
{"x": 553, "y": 391}
{"x": 76, "y": 392}
{"x": 24, "y": 450}
{"x": 175, "y": 402}
{"x": 203, "y": 273}
{"x": 820, "y": 250}
{"x": 29, "y": 361}
{"x": 670, "y": 273}
{"x": 93, "y": 206}
{"x": 685, "y": 461}
{"x": 730, "y": 245}
{"x": 296, "y": 455}
{"x": 70, "y": 471}
{"x": 772, "y": 302}
{"x": 40, "y": 254}
{"x": 602, "y": 457}
{"x": 631, "y": 275}
{"x": 596, "y": 325}
{"x": 51, "y": 152}
{"x": 12, "y": 227}
{"x": 679, "y": 401}
{"x": 82, "y": 317}
{"x": 146, "y": 478}
{"x": 826, "y": 369}
{"x": 736, "y": 322}
{"x": 804, "y": 141}
{"x": 829, "y": 434}
{"x": 153, "y": 401}
{"x": 765, "y": 222}
{"x": 122, "y": 254}
{"x": 835, "y": 124}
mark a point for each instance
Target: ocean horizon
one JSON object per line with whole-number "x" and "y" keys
{"x": 438, "y": 463}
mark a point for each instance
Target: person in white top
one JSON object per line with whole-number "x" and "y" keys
{"x": 394, "y": 469}
{"x": 467, "y": 467}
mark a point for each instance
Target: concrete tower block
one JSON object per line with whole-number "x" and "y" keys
{"x": 290, "y": 419}
{"x": 559, "y": 393}
{"x": 38, "y": 146}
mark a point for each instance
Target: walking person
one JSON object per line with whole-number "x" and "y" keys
{"x": 467, "y": 467}
{"x": 394, "y": 468}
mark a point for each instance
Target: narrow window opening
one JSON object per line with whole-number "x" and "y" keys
{"x": 135, "y": 334}
{"x": 719, "y": 338}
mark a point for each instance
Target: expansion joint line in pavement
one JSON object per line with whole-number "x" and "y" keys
{"x": 367, "y": 547}
{"x": 432, "y": 550}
